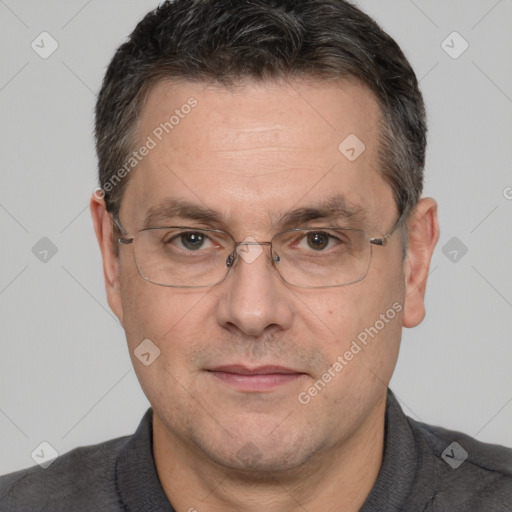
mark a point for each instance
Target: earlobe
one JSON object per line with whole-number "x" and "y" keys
{"x": 103, "y": 228}
{"x": 423, "y": 236}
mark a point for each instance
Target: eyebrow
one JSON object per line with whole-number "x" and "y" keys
{"x": 336, "y": 207}
{"x": 179, "y": 208}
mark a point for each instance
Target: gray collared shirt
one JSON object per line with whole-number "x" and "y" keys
{"x": 425, "y": 469}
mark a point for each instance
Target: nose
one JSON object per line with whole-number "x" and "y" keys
{"x": 253, "y": 298}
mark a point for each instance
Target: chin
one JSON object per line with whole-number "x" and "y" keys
{"x": 257, "y": 455}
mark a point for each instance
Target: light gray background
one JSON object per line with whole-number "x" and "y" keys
{"x": 65, "y": 374}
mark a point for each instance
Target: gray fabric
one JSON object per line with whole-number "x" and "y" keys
{"x": 120, "y": 475}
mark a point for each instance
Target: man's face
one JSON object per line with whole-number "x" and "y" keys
{"x": 252, "y": 155}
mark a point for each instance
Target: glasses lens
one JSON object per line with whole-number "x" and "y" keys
{"x": 182, "y": 257}
{"x": 308, "y": 258}
{"x": 322, "y": 257}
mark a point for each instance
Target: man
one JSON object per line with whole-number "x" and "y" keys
{"x": 264, "y": 240}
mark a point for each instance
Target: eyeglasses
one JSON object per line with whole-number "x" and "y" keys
{"x": 187, "y": 257}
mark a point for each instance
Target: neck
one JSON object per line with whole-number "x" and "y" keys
{"x": 337, "y": 478}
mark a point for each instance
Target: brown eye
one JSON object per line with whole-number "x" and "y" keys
{"x": 318, "y": 241}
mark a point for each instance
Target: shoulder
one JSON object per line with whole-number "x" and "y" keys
{"x": 471, "y": 475}
{"x": 82, "y": 479}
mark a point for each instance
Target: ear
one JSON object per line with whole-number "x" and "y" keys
{"x": 423, "y": 237}
{"x": 104, "y": 230}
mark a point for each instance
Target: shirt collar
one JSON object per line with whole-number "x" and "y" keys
{"x": 137, "y": 479}
{"x": 407, "y": 478}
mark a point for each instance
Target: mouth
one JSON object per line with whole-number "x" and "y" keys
{"x": 256, "y": 379}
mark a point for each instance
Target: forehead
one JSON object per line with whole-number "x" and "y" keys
{"x": 260, "y": 146}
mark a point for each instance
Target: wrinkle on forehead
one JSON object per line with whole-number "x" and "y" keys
{"x": 260, "y": 151}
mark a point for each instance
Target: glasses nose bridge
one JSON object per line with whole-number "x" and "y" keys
{"x": 250, "y": 242}
{"x": 234, "y": 255}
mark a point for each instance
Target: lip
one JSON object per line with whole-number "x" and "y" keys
{"x": 257, "y": 379}
{"x": 258, "y": 370}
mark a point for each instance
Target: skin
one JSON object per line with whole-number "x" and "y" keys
{"x": 244, "y": 153}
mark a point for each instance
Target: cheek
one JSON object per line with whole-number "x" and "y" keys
{"x": 364, "y": 320}
{"x": 171, "y": 320}
{"x": 344, "y": 312}
{"x": 155, "y": 312}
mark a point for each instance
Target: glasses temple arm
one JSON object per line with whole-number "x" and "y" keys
{"x": 117, "y": 224}
{"x": 383, "y": 241}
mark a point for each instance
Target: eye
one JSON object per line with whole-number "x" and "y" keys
{"x": 317, "y": 241}
{"x": 189, "y": 240}
{"x": 192, "y": 241}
